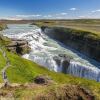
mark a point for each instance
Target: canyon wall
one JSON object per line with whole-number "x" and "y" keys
{"x": 85, "y": 42}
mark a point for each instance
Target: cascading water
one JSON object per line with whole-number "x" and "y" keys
{"x": 52, "y": 54}
{"x": 77, "y": 69}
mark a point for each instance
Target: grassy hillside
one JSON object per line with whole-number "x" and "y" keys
{"x": 23, "y": 71}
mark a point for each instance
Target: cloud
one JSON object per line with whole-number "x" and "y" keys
{"x": 23, "y": 17}
{"x": 53, "y": 16}
{"x": 11, "y": 18}
{"x": 47, "y": 16}
{"x": 28, "y": 16}
{"x": 82, "y": 16}
{"x": 94, "y": 11}
{"x": 63, "y": 14}
{"x": 58, "y": 17}
{"x": 73, "y": 9}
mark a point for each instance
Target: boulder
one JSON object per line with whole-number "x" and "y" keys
{"x": 18, "y": 46}
{"x": 63, "y": 61}
{"x": 42, "y": 79}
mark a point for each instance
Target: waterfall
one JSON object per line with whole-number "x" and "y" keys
{"x": 77, "y": 69}
{"x": 46, "y": 62}
{"x": 50, "y": 54}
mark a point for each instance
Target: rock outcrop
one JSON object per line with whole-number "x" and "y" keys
{"x": 62, "y": 61}
{"x": 18, "y": 46}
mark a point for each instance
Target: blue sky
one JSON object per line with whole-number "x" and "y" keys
{"x": 49, "y": 9}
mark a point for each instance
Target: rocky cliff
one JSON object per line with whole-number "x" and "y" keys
{"x": 18, "y": 46}
{"x": 85, "y": 42}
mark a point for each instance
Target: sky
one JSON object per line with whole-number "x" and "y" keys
{"x": 49, "y": 9}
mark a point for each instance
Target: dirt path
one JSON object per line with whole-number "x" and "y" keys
{"x": 4, "y": 75}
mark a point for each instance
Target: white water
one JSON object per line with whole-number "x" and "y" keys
{"x": 44, "y": 49}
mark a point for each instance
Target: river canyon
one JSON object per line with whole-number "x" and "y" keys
{"x": 53, "y": 54}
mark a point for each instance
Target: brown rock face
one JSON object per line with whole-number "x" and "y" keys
{"x": 18, "y": 46}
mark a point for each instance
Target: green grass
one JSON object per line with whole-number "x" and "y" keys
{"x": 23, "y": 71}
